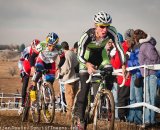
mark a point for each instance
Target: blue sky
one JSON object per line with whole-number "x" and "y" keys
{"x": 21, "y": 21}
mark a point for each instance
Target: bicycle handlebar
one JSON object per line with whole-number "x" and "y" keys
{"x": 98, "y": 73}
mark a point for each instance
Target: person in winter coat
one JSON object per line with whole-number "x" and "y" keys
{"x": 124, "y": 91}
{"x": 136, "y": 85}
{"x": 148, "y": 55}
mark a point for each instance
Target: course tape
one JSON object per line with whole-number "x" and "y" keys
{"x": 156, "y": 109}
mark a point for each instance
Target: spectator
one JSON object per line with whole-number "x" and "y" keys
{"x": 124, "y": 91}
{"x": 75, "y": 50}
{"x": 67, "y": 70}
{"x": 75, "y": 47}
{"x": 148, "y": 55}
{"x": 136, "y": 86}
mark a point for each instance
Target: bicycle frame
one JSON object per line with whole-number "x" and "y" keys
{"x": 98, "y": 93}
{"x": 103, "y": 91}
{"x": 46, "y": 96}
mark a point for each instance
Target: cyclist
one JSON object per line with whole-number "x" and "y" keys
{"x": 25, "y": 69}
{"x": 47, "y": 59}
{"x": 92, "y": 55}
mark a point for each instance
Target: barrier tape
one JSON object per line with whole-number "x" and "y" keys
{"x": 135, "y": 105}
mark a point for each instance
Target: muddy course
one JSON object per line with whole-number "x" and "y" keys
{"x": 9, "y": 119}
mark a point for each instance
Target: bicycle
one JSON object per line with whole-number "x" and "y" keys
{"x": 45, "y": 100}
{"x": 102, "y": 110}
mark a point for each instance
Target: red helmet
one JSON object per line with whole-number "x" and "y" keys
{"x": 35, "y": 42}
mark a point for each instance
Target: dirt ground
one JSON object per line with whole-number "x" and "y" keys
{"x": 10, "y": 84}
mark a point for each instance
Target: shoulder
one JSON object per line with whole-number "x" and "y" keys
{"x": 145, "y": 46}
{"x": 69, "y": 52}
{"x": 27, "y": 49}
{"x": 112, "y": 29}
{"x": 58, "y": 46}
{"x": 112, "y": 33}
{"x": 89, "y": 34}
{"x": 40, "y": 47}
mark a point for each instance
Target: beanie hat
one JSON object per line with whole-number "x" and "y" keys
{"x": 129, "y": 34}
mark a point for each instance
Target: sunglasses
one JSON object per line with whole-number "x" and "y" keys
{"x": 102, "y": 27}
{"x": 50, "y": 45}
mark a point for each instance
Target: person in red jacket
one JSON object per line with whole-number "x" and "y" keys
{"x": 124, "y": 91}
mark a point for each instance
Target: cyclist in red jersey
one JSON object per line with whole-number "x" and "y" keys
{"x": 25, "y": 68}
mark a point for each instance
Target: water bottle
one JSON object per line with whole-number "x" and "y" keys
{"x": 33, "y": 93}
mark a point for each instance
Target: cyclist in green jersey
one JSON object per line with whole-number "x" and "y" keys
{"x": 92, "y": 55}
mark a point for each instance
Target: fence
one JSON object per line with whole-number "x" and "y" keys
{"x": 143, "y": 104}
{"x": 10, "y": 101}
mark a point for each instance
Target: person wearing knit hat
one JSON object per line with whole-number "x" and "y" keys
{"x": 136, "y": 85}
{"x": 129, "y": 36}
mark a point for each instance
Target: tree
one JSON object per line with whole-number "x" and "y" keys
{"x": 22, "y": 47}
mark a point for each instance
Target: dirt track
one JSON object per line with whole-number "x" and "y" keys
{"x": 9, "y": 84}
{"x": 10, "y": 119}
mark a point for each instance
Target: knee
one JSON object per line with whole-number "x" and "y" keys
{"x": 39, "y": 67}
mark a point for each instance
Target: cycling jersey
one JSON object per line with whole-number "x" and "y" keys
{"x": 44, "y": 54}
{"x": 48, "y": 56}
{"x": 23, "y": 63}
{"x": 94, "y": 51}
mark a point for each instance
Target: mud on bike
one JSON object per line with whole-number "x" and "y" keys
{"x": 44, "y": 100}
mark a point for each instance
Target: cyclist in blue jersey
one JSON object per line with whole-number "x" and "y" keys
{"x": 92, "y": 55}
{"x": 47, "y": 59}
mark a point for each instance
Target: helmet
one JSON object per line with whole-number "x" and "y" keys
{"x": 35, "y": 42}
{"x": 102, "y": 18}
{"x": 52, "y": 38}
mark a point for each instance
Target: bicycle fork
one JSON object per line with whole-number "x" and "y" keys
{"x": 97, "y": 97}
{"x": 46, "y": 93}
{"x": 92, "y": 111}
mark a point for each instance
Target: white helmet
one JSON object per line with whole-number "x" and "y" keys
{"x": 102, "y": 18}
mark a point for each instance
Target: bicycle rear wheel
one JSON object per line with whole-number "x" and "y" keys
{"x": 25, "y": 112}
{"x": 48, "y": 102}
{"x": 105, "y": 112}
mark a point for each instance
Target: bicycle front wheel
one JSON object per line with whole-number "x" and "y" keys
{"x": 35, "y": 110}
{"x": 104, "y": 112}
{"x": 48, "y": 102}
